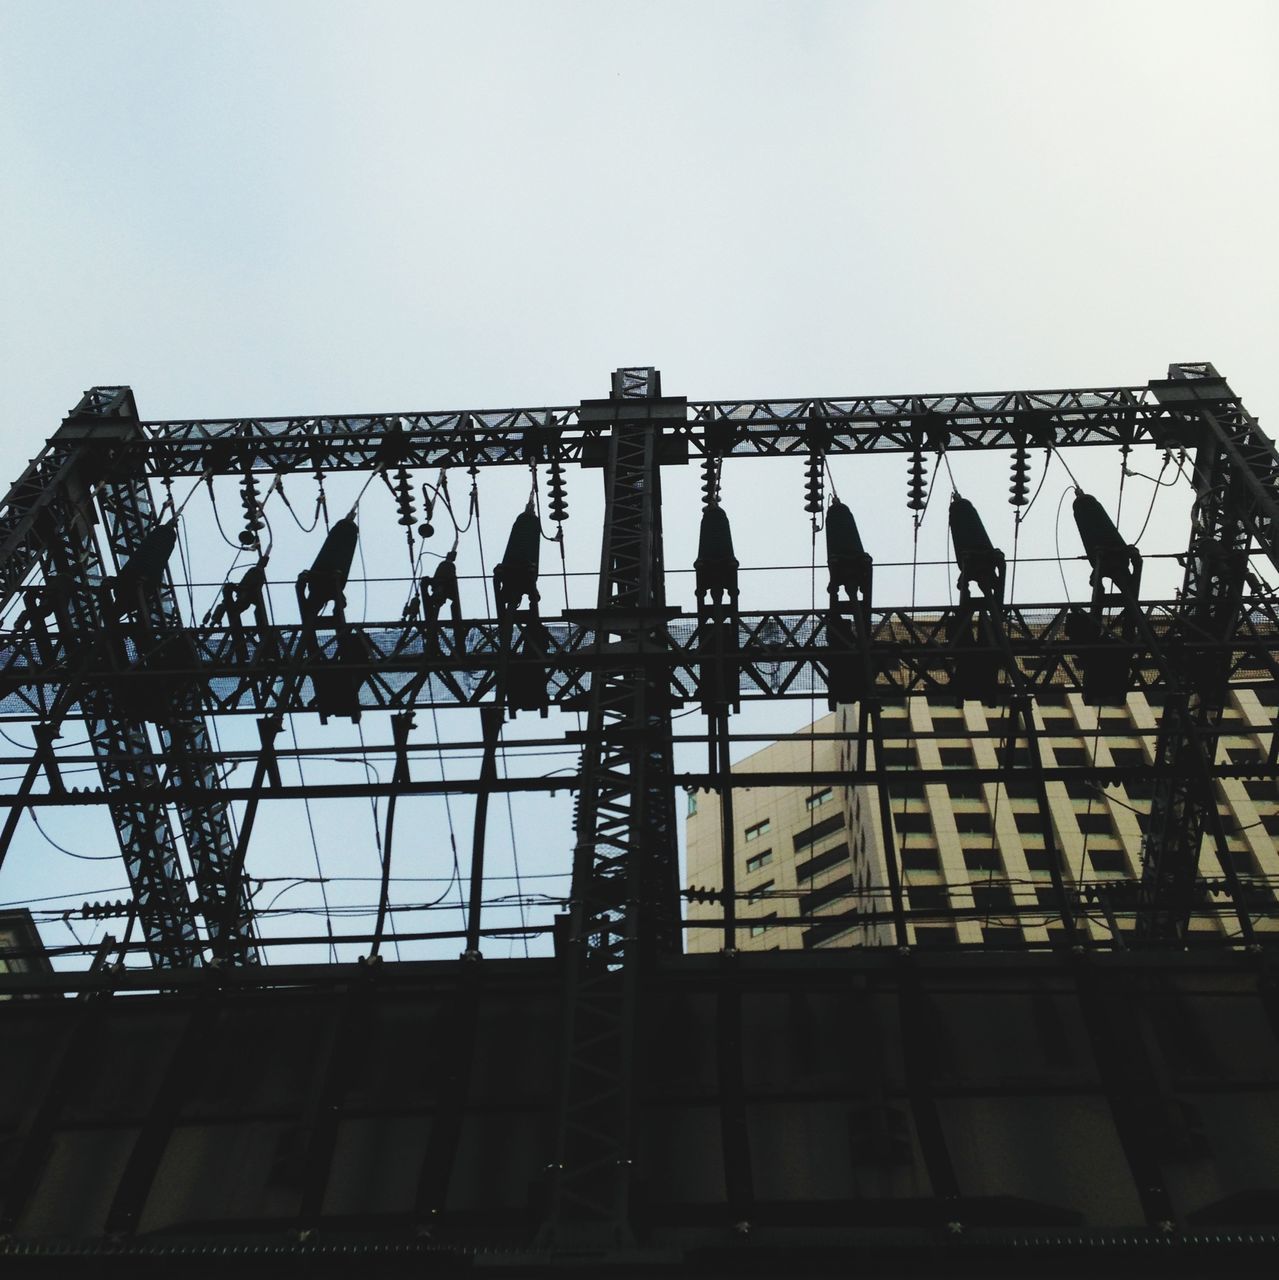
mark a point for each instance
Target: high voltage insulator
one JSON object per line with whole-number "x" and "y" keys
{"x": 710, "y": 481}
{"x": 916, "y": 482}
{"x": 814, "y": 486}
{"x": 1019, "y": 489}
{"x": 252, "y": 509}
{"x": 557, "y": 494}
{"x": 404, "y": 498}
{"x": 104, "y": 910}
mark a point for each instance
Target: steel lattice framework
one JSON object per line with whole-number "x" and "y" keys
{"x": 145, "y": 681}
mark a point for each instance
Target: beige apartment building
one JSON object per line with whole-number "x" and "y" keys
{"x": 815, "y": 854}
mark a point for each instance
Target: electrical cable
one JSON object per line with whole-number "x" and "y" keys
{"x": 71, "y": 853}
{"x": 315, "y": 847}
{"x": 1061, "y": 568}
{"x": 504, "y": 772}
{"x": 384, "y": 847}
{"x": 1154, "y": 494}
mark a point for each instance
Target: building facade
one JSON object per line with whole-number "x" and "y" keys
{"x": 811, "y": 864}
{"x": 21, "y": 950}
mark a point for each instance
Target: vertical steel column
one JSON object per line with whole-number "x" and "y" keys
{"x": 1236, "y": 502}
{"x": 188, "y": 752}
{"x": 625, "y": 886}
{"x": 62, "y": 531}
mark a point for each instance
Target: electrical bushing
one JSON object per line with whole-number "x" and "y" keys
{"x": 147, "y": 564}
{"x": 846, "y": 557}
{"x": 1110, "y": 556}
{"x": 716, "y": 565}
{"x": 336, "y": 555}
{"x": 980, "y": 561}
{"x": 325, "y": 581}
{"x": 515, "y": 575}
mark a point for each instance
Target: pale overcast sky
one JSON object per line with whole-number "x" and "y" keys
{"x": 269, "y": 208}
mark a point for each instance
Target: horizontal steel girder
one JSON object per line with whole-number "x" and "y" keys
{"x": 778, "y": 655}
{"x": 740, "y": 428}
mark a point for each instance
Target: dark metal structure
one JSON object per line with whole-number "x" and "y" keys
{"x": 605, "y": 1149}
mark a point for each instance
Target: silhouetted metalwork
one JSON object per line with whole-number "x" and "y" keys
{"x": 101, "y": 637}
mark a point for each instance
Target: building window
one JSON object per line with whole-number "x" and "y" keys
{"x": 1107, "y": 859}
{"x": 919, "y": 823}
{"x": 964, "y": 790}
{"x": 995, "y": 899}
{"x": 1030, "y": 822}
{"x": 1138, "y": 788}
{"x": 1070, "y": 755}
{"x": 1095, "y": 824}
{"x": 821, "y": 798}
{"x": 826, "y": 827}
{"x": 1014, "y": 757}
{"x": 1261, "y": 789}
{"x": 759, "y": 891}
{"x": 920, "y": 859}
{"x": 906, "y": 789}
{"x": 982, "y": 860}
{"x": 821, "y": 862}
{"x": 927, "y": 897}
{"x": 692, "y": 803}
{"x": 762, "y": 926}
{"x": 971, "y": 823}
{"x": 759, "y": 860}
{"x": 1038, "y": 860}
{"x": 1243, "y": 861}
{"x": 838, "y": 889}
{"x": 956, "y": 756}
{"x": 759, "y": 829}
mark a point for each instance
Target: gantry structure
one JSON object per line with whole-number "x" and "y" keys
{"x": 97, "y": 634}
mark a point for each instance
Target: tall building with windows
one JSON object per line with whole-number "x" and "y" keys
{"x": 21, "y": 950}
{"x": 810, "y": 860}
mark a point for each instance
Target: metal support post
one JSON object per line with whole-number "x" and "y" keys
{"x": 625, "y": 891}
{"x": 1236, "y": 502}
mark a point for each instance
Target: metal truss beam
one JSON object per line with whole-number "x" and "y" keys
{"x": 778, "y": 655}
{"x": 758, "y": 428}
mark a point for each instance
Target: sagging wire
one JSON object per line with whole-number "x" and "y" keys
{"x": 1154, "y": 494}
{"x": 1061, "y": 567}
{"x": 71, "y": 853}
{"x": 321, "y": 505}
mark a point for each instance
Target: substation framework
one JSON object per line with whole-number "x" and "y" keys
{"x": 102, "y": 639}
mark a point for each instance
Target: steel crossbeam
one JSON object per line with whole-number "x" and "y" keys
{"x": 778, "y": 655}
{"x": 740, "y": 428}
